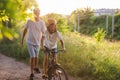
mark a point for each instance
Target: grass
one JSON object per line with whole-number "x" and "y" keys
{"x": 85, "y": 58}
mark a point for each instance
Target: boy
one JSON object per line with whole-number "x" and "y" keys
{"x": 52, "y": 35}
{"x": 35, "y": 29}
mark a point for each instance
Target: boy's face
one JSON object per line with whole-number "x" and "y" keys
{"x": 52, "y": 28}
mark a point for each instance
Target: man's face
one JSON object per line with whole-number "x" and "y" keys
{"x": 37, "y": 12}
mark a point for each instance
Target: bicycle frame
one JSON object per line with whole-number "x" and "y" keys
{"x": 53, "y": 68}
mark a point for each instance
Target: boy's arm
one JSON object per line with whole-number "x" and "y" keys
{"x": 62, "y": 44}
{"x": 23, "y": 36}
{"x": 42, "y": 43}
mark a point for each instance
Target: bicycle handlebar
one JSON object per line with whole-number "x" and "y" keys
{"x": 58, "y": 51}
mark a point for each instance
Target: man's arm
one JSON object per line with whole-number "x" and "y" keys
{"x": 23, "y": 36}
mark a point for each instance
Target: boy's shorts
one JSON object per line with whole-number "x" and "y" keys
{"x": 48, "y": 50}
{"x": 33, "y": 50}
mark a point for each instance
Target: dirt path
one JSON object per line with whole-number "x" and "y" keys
{"x": 10, "y": 69}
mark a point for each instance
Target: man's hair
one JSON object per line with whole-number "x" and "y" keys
{"x": 36, "y": 9}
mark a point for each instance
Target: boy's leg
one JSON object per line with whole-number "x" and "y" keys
{"x": 45, "y": 66}
{"x": 55, "y": 54}
{"x": 55, "y": 57}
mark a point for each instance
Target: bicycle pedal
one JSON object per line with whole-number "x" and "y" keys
{"x": 58, "y": 64}
{"x": 59, "y": 71}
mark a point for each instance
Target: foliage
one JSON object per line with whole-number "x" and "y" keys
{"x": 99, "y": 35}
{"x": 5, "y": 32}
{"x": 117, "y": 26}
{"x": 61, "y": 21}
{"x": 82, "y": 14}
{"x": 85, "y": 57}
{"x": 12, "y": 12}
{"x": 89, "y": 22}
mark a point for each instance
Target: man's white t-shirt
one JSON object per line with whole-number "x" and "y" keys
{"x": 35, "y": 31}
{"x": 50, "y": 40}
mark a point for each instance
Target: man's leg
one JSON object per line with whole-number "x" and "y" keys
{"x": 32, "y": 59}
{"x": 32, "y": 64}
{"x": 36, "y": 69}
{"x": 36, "y": 62}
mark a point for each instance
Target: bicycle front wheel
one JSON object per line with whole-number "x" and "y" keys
{"x": 58, "y": 74}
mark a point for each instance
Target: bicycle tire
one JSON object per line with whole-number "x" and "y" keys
{"x": 61, "y": 74}
{"x": 50, "y": 72}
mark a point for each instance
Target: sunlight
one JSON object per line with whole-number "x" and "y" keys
{"x": 66, "y": 7}
{"x": 28, "y": 11}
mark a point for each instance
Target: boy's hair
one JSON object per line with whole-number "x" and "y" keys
{"x": 51, "y": 21}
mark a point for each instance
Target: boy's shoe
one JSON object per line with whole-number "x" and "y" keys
{"x": 44, "y": 76}
{"x": 36, "y": 70}
{"x": 31, "y": 76}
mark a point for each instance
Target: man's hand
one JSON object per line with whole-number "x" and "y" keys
{"x": 21, "y": 42}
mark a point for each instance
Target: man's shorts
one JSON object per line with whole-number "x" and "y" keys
{"x": 33, "y": 50}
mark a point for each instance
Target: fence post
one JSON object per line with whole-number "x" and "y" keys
{"x": 74, "y": 21}
{"x": 78, "y": 23}
{"x": 112, "y": 25}
{"x": 106, "y": 25}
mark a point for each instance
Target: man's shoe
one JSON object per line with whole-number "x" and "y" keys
{"x": 36, "y": 70}
{"x": 31, "y": 76}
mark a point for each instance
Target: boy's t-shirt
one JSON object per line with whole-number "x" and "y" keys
{"x": 35, "y": 31}
{"x": 50, "y": 40}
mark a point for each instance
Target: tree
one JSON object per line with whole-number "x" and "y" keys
{"x": 85, "y": 15}
{"x": 61, "y": 21}
{"x": 12, "y": 13}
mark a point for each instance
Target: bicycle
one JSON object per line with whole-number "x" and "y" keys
{"x": 54, "y": 68}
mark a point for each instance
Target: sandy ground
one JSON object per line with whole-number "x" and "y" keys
{"x": 10, "y": 69}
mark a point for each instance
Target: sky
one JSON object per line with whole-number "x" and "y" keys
{"x": 67, "y": 6}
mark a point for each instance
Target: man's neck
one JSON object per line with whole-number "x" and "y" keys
{"x": 37, "y": 19}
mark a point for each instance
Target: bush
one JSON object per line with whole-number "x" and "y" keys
{"x": 99, "y": 35}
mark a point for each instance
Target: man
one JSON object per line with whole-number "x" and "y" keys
{"x": 35, "y": 29}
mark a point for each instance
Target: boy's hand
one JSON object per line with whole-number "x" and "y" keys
{"x": 42, "y": 48}
{"x": 64, "y": 49}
